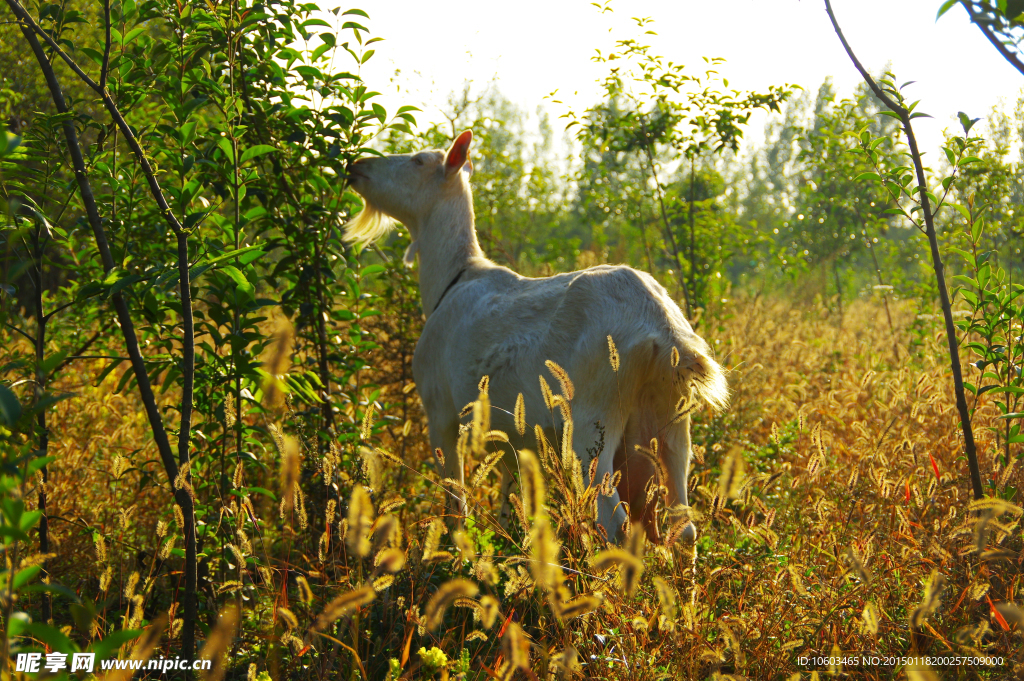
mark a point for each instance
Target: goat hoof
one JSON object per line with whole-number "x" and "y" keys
{"x": 689, "y": 533}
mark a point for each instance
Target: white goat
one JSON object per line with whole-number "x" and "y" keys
{"x": 486, "y": 320}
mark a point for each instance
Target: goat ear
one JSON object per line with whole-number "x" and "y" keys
{"x": 458, "y": 154}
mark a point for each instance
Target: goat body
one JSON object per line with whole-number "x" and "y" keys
{"x": 494, "y": 322}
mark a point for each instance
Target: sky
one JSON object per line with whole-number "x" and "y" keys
{"x": 534, "y": 47}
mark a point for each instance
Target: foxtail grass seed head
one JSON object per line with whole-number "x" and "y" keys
{"x": 930, "y": 601}
{"x": 277, "y": 363}
{"x": 105, "y": 578}
{"x": 219, "y": 641}
{"x": 323, "y": 546}
{"x": 345, "y": 604}
{"x": 367, "y": 428}
{"x": 545, "y": 391}
{"x": 532, "y": 482}
{"x": 387, "y": 531}
{"x": 101, "y": 548}
{"x": 544, "y": 548}
{"x": 179, "y": 518}
{"x": 133, "y": 581}
{"x": 1012, "y": 614}
{"x": 243, "y": 541}
{"x": 732, "y": 474}
{"x": 481, "y": 424}
{"x": 543, "y": 447}
{"x": 579, "y": 606}
{"x": 675, "y": 357}
{"x": 465, "y": 545}
{"x": 568, "y": 391}
{"x": 372, "y": 467}
{"x": 490, "y": 608}
{"x": 567, "y": 453}
{"x": 288, "y": 618}
{"x": 666, "y": 597}
{"x": 613, "y": 355}
{"x": 236, "y": 479}
{"x": 484, "y": 385}
{"x": 630, "y": 566}
{"x": 433, "y": 540}
{"x": 360, "y": 518}
{"x": 520, "y": 414}
{"x": 870, "y": 617}
{"x": 445, "y": 596}
{"x": 385, "y": 455}
{"x": 516, "y": 647}
{"x": 290, "y": 466}
{"x": 390, "y": 560}
{"x": 332, "y": 506}
{"x": 565, "y": 661}
{"x": 485, "y": 467}
{"x": 305, "y": 593}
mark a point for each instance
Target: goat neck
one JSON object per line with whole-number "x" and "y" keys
{"x": 447, "y": 243}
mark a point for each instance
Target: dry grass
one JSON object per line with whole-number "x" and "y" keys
{"x": 832, "y": 507}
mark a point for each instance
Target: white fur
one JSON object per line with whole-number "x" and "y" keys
{"x": 497, "y": 323}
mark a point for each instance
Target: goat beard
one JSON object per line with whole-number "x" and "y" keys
{"x": 368, "y": 226}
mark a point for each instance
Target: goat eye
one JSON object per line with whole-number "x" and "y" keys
{"x": 417, "y": 160}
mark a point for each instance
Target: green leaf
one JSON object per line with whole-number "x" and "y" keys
{"x": 258, "y": 150}
{"x": 23, "y": 577}
{"x": 112, "y": 642}
{"x": 188, "y": 132}
{"x": 946, "y": 6}
{"x": 133, "y": 34}
{"x": 319, "y": 52}
{"x": 10, "y": 407}
{"x": 966, "y": 121}
{"x": 870, "y": 175}
{"x": 36, "y": 464}
{"x": 1011, "y": 415}
{"x": 56, "y": 589}
{"x": 224, "y": 144}
{"x": 961, "y": 209}
{"x": 357, "y": 12}
{"x": 970, "y": 159}
{"x": 51, "y": 636}
{"x": 13, "y": 533}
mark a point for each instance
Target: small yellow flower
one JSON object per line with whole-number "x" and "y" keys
{"x": 434, "y": 658}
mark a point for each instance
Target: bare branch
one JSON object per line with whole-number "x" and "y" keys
{"x": 1009, "y": 56}
{"x": 860, "y": 67}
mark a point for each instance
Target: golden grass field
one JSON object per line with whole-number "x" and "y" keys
{"x": 833, "y": 510}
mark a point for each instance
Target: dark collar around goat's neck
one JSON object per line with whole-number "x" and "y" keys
{"x": 448, "y": 288}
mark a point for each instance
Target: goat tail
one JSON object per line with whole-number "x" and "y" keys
{"x": 368, "y": 226}
{"x": 707, "y": 379}
{"x": 701, "y": 377}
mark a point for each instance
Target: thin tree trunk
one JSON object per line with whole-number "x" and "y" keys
{"x": 933, "y": 242}
{"x": 43, "y": 435}
{"x": 693, "y": 262}
{"x": 29, "y": 29}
